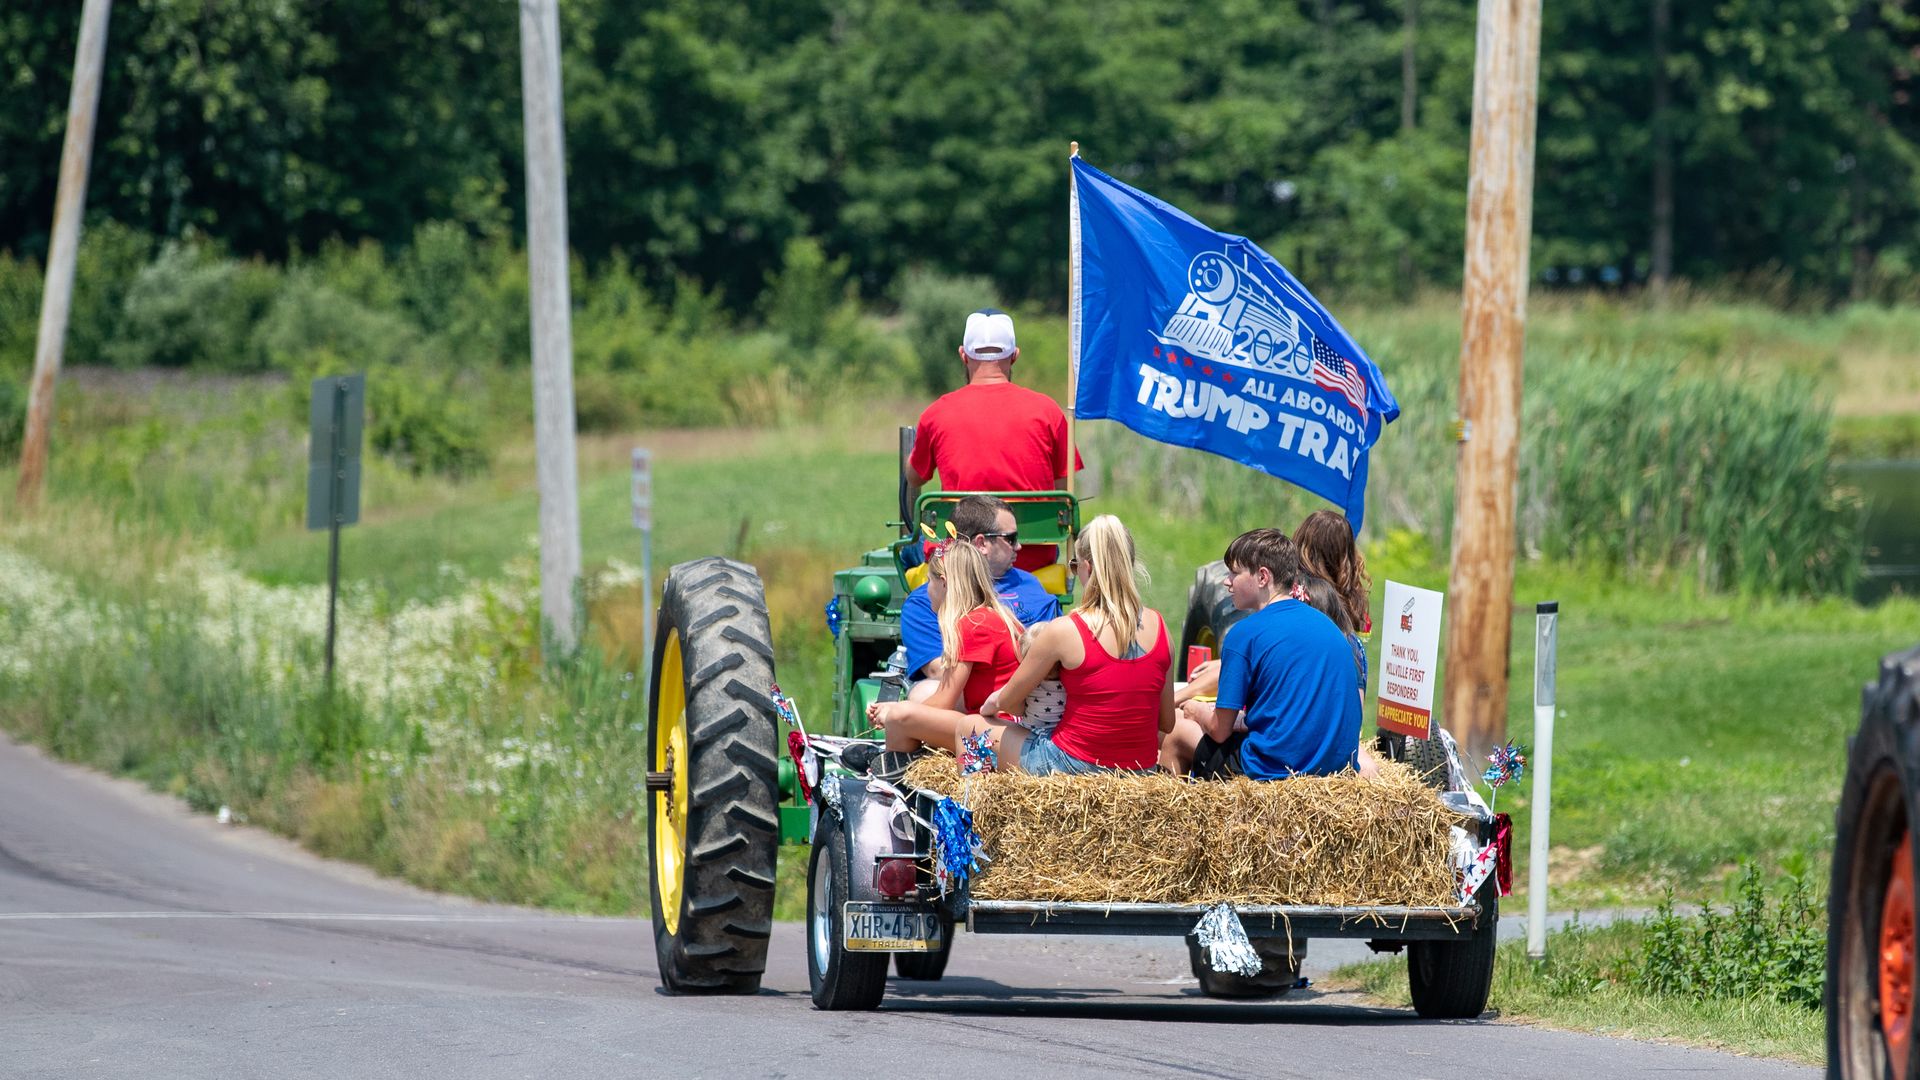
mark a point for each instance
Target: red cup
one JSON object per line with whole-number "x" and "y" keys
{"x": 1197, "y": 655}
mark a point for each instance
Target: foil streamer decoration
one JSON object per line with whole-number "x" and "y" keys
{"x": 830, "y": 797}
{"x": 1503, "y": 839}
{"x": 1229, "y": 950}
{"x": 977, "y": 754}
{"x": 1456, "y": 773}
{"x": 957, "y": 843}
{"x": 799, "y": 750}
{"x": 834, "y": 617}
{"x": 785, "y": 709}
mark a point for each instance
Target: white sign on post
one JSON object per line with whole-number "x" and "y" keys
{"x": 1409, "y": 659}
{"x": 642, "y": 489}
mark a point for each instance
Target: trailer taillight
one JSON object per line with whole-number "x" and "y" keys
{"x": 894, "y": 878}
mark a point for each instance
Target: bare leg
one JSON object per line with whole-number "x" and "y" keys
{"x": 1007, "y": 738}
{"x": 923, "y": 689}
{"x": 910, "y": 725}
{"x": 1177, "y": 746}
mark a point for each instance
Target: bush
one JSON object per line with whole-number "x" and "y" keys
{"x": 934, "y": 309}
{"x": 425, "y": 424}
{"x": 110, "y": 260}
{"x": 488, "y": 320}
{"x": 803, "y": 298}
{"x": 1759, "y": 949}
{"x": 193, "y": 307}
{"x": 19, "y": 313}
{"x": 438, "y": 273}
{"x": 13, "y": 415}
{"x": 312, "y": 327}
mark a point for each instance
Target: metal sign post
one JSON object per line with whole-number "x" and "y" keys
{"x": 336, "y": 421}
{"x": 1545, "y": 643}
{"x": 643, "y": 520}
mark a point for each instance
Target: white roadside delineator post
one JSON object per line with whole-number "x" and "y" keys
{"x": 1545, "y": 641}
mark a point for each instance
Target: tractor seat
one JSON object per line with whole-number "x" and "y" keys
{"x": 1053, "y": 578}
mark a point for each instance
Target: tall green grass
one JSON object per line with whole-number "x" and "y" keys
{"x": 1637, "y": 466}
{"x": 447, "y": 753}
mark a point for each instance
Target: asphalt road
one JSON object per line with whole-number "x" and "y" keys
{"x": 138, "y": 940}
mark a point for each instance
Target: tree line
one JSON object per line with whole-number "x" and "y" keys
{"x": 1771, "y": 145}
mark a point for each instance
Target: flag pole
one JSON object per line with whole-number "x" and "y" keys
{"x": 1073, "y": 306}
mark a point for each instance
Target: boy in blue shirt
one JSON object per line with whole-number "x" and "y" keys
{"x": 1287, "y": 667}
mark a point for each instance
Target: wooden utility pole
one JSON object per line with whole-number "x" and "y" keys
{"x": 1493, "y": 338}
{"x": 553, "y": 425}
{"x": 1660, "y": 247}
{"x": 69, "y": 206}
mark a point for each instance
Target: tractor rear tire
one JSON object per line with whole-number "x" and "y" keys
{"x": 839, "y": 980}
{"x": 1870, "y": 1012}
{"x": 1278, "y": 974}
{"x": 1210, "y": 612}
{"x": 1450, "y": 980}
{"x": 715, "y": 830}
{"x": 927, "y": 966}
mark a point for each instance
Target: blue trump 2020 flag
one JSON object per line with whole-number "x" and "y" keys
{"x": 1197, "y": 338}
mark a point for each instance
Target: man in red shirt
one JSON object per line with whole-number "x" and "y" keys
{"x": 991, "y": 435}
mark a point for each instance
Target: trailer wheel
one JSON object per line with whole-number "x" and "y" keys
{"x": 1210, "y": 612}
{"x": 1870, "y": 907}
{"x": 1278, "y": 973}
{"x": 840, "y": 980}
{"x": 1450, "y": 980}
{"x": 927, "y": 966}
{"x": 714, "y": 785}
{"x": 1428, "y": 759}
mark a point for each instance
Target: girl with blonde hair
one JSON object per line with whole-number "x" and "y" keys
{"x": 979, "y": 645}
{"x": 1114, "y": 664}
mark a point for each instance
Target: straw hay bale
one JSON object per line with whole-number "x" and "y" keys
{"x": 1156, "y": 838}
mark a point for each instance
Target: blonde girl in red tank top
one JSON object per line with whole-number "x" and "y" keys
{"x": 979, "y": 641}
{"x": 1114, "y": 662}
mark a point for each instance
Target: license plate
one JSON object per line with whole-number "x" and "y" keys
{"x": 870, "y": 926}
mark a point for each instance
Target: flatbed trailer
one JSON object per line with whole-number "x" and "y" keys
{"x": 859, "y": 921}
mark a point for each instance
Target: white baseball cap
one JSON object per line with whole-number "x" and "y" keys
{"x": 989, "y": 335}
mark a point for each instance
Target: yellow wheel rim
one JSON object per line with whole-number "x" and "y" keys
{"x": 670, "y": 756}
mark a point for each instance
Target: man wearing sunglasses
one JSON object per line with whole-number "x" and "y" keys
{"x": 987, "y": 523}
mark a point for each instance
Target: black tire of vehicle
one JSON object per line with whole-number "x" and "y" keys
{"x": 1878, "y": 801}
{"x": 1450, "y": 980}
{"x": 1210, "y": 611}
{"x": 1428, "y": 759}
{"x": 1278, "y": 973}
{"x": 927, "y": 966}
{"x": 714, "y": 612}
{"x": 840, "y": 980}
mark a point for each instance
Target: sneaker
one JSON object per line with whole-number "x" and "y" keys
{"x": 892, "y": 765}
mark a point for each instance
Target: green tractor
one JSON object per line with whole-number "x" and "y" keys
{"x": 724, "y": 792}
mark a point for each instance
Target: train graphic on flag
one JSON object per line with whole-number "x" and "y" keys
{"x": 1230, "y": 316}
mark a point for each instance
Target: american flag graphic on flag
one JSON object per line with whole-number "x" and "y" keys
{"x": 1331, "y": 371}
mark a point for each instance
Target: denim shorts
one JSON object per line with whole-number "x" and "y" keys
{"x": 1040, "y": 757}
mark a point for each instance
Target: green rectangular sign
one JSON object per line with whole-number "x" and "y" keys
{"x": 336, "y": 424}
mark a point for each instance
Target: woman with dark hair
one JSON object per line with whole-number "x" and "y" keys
{"x": 1325, "y": 543}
